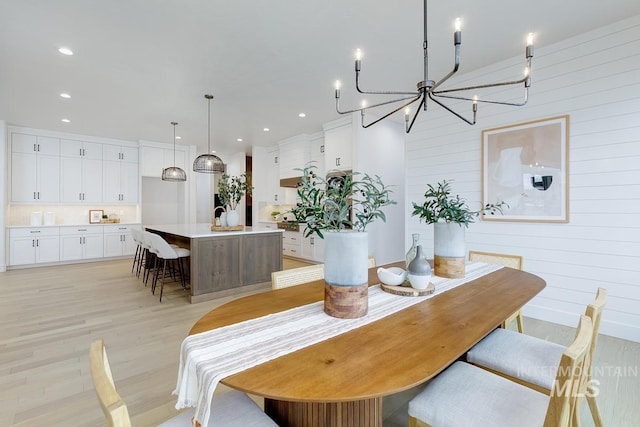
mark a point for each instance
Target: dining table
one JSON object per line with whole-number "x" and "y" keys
{"x": 341, "y": 381}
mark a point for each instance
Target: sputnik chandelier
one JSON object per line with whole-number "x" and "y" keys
{"x": 431, "y": 89}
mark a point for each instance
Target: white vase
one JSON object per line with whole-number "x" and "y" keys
{"x": 346, "y": 258}
{"x": 233, "y": 218}
{"x": 223, "y": 219}
{"x": 449, "y": 249}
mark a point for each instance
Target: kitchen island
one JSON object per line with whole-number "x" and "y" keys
{"x": 222, "y": 262}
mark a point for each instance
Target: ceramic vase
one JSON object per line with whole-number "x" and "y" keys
{"x": 411, "y": 253}
{"x": 419, "y": 270}
{"x": 223, "y": 219}
{"x": 233, "y": 218}
{"x": 449, "y": 249}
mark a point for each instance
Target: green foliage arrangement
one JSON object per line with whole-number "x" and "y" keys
{"x": 441, "y": 206}
{"x": 232, "y": 188}
{"x": 325, "y": 205}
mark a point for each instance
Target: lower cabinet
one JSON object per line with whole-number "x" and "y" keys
{"x": 81, "y": 242}
{"x": 291, "y": 244}
{"x": 118, "y": 240}
{"x": 313, "y": 248}
{"x": 34, "y": 245}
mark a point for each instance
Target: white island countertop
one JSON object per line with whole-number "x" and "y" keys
{"x": 194, "y": 231}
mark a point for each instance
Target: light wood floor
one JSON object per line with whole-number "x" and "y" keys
{"x": 50, "y": 315}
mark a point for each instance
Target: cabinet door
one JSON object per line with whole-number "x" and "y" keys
{"x": 112, "y": 244}
{"x": 111, "y": 153}
{"x": 23, "y": 177}
{"x": 48, "y": 176}
{"x": 307, "y": 248}
{"x": 129, "y": 183}
{"x": 48, "y": 249}
{"x": 21, "y": 143}
{"x": 92, "y": 180}
{"x": 273, "y": 178}
{"x": 338, "y": 143}
{"x": 71, "y": 179}
{"x": 71, "y": 247}
{"x": 70, "y": 148}
{"x": 93, "y": 245}
{"x": 151, "y": 161}
{"x": 128, "y": 245}
{"x": 92, "y": 150}
{"x": 129, "y": 154}
{"x": 23, "y": 250}
{"x": 48, "y": 146}
{"x": 110, "y": 182}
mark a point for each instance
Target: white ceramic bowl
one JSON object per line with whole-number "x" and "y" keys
{"x": 419, "y": 282}
{"x": 393, "y": 276}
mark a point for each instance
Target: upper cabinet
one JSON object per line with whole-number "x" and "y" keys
{"x": 153, "y": 159}
{"x": 120, "y": 180}
{"x": 338, "y": 145}
{"x": 294, "y": 154}
{"x": 35, "y": 168}
{"x": 81, "y": 171}
{"x": 119, "y": 153}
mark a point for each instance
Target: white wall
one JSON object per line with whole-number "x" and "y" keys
{"x": 3, "y": 193}
{"x": 595, "y": 78}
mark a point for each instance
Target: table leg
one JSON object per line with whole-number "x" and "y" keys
{"x": 360, "y": 413}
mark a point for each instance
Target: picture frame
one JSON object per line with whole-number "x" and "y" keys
{"x": 526, "y": 165}
{"x": 95, "y": 216}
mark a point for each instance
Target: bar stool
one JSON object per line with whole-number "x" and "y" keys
{"x": 164, "y": 252}
{"x": 136, "y": 235}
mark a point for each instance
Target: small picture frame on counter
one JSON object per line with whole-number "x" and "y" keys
{"x": 95, "y": 216}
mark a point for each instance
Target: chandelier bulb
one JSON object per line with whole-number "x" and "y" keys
{"x": 358, "y": 55}
{"x": 530, "y": 39}
{"x": 458, "y": 25}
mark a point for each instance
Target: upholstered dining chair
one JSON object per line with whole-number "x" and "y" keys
{"x": 296, "y": 276}
{"x": 166, "y": 254}
{"x": 467, "y": 396}
{"x": 230, "y": 409}
{"x": 506, "y": 260}
{"x": 528, "y": 360}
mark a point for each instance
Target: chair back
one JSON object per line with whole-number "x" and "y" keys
{"x": 111, "y": 403}
{"x": 572, "y": 378}
{"x": 296, "y": 276}
{"x": 146, "y": 240}
{"x": 161, "y": 248}
{"x": 506, "y": 260}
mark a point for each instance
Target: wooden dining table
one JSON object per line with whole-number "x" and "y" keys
{"x": 341, "y": 381}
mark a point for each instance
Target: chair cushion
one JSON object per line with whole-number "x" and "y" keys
{"x": 182, "y": 252}
{"x": 520, "y": 356}
{"x": 467, "y": 396}
{"x": 228, "y": 409}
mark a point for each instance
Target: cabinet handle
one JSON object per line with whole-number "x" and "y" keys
{"x": 34, "y": 231}
{"x": 275, "y": 160}
{"x": 34, "y": 147}
{"x": 33, "y": 243}
{"x": 322, "y": 149}
{"x": 80, "y": 238}
{"x": 337, "y": 161}
{"x": 37, "y": 243}
{"x": 34, "y": 195}
{"x": 276, "y": 197}
{"x": 312, "y": 241}
{"x": 38, "y": 195}
{"x": 82, "y": 229}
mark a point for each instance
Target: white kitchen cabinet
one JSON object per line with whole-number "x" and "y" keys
{"x": 154, "y": 159}
{"x": 81, "y": 171}
{"x": 274, "y": 192}
{"x": 84, "y": 242}
{"x": 292, "y": 244}
{"x": 317, "y": 152}
{"x": 34, "y": 245}
{"x": 119, "y": 182}
{"x": 312, "y": 248}
{"x": 35, "y": 168}
{"x": 118, "y": 240}
{"x": 338, "y": 145}
{"x": 120, "y": 153}
{"x": 294, "y": 154}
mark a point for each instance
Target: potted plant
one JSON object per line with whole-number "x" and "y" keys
{"x": 450, "y": 215}
{"x": 339, "y": 211}
{"x": 231, "y": 189}
{"x": 275, "y": 215}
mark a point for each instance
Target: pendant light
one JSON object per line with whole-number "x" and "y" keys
{"x": 174, "y": 173}
{"x": 209, "y": 162}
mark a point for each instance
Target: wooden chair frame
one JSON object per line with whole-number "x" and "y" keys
{"x": 114, "y": 408}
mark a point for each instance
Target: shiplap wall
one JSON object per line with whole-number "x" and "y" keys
{"x": 595, "y": 79}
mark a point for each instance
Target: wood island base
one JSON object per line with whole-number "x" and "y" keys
{"x": 361, "y": 413}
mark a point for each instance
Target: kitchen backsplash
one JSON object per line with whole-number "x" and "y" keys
{"x": 19, "y": 215}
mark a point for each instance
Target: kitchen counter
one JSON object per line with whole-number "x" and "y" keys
{"x": 223, "y": 262}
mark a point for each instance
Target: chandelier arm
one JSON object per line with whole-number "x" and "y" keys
{"x": 407, "y": 126}
{"x": 484, "y": 86}
{"x": 488, "y": 101}
{"x": 368, "y": 92}
{"x": 386, "y": 115}
{"x": 454, "y": 112}
{"x": 456, "y": 65}
{"x": 413, "y": 98}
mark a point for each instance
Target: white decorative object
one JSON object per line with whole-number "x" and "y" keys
{"x": 346, "y": 258}
{"x": 233, "y": 218}
{"x": 393, "y": 276}
{"x": 36, "y": 218}
{"x": 449, "y": 240}
{"x": 223, "y": 219}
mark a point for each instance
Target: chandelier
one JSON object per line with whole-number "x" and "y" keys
{"x": 432, "y": 90}
{"x": 209, "y": 162}
{"x": 174, "y": 173}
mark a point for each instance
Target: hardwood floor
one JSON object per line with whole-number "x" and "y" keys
{"x": 50, "y": 315}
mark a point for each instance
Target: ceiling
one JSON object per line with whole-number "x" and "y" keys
{"x": 140, "y": 64}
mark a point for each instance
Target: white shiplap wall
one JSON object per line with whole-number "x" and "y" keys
{"x": 595, "y": 79}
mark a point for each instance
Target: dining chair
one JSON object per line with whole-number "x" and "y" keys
{"x": 166, "y": 254}
{"x": 296, "y": 276}
{"x": 531, "y": 361}
{"x": 231, "y": 409}
{"x": 465, "y": 395}
{"x": 506, "y": 260}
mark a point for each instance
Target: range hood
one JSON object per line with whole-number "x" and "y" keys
{"x": 290, "y": 182}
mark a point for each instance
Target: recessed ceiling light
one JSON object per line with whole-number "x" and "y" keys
{"x": 178, "y": 137}
{"x": 65, "y": 51}
{"x": 302, "y": 115}
{"x": 239, "y": 139}
{"x": 65, "y": 95}
{"x": 266, "y": 129}
{"x": 66, "y": 120}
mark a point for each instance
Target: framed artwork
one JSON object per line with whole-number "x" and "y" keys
{"x": 526, "y": 166}
{"x": 95, "y": 216}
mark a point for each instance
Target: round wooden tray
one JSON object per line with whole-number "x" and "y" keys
{"x": 407, "y": 291}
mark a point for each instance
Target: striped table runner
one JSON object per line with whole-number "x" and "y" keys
{"x": 210, "y": 356}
